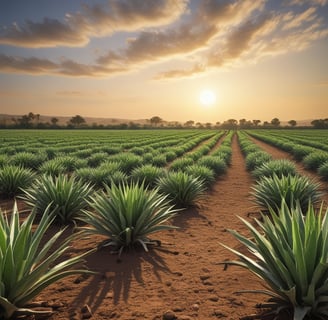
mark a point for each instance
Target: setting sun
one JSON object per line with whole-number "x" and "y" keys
{"x": 207, "y": 97}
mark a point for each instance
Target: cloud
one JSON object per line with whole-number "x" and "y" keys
{"x": 208, "y": 22}
{"x": 93, "y": 21}
{"x": 299, "y": 19}
{"x": 311, "y": 2}
{"x": 66, "y": 67}
{"x": 216, "y": 34}
{"x": 269, "y": 34}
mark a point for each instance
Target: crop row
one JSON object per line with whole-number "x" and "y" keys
{"x": 196, "y": 156}
{"x": 313, "y": 157}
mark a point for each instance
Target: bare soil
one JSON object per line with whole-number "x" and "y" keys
{"x": 181, "y": 279}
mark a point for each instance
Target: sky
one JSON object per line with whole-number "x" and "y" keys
{"x": 135, "y": 59}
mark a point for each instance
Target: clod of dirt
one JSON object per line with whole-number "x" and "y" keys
{"x": 169, "y": 315}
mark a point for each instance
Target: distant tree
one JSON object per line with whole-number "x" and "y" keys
{"x": 76, "y": 121}
{"x": 155, "y": 120}
{"x": 320, "y": 123}
{"x": 26, "y": 120}
{"x": 208, "y": 125}
{"x": 230, "y": 124}
{"x": 54, "y": 121}
{"x": 292, "y": 123}
{"x": 266, "y": 124}
{"x": 275, "y": 122}
{"x": 189, "y": 123}
{"x": 242, "y": 122}
{"x": 256, "y": 122}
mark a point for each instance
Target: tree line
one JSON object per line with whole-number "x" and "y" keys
{"x": 31, "y": 120}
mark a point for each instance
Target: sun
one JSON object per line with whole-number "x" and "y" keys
{"x": 207, "y": 97}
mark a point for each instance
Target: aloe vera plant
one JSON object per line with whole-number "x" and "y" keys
{"x": 270, "y": 191}
{"x": 127, "y": 215}
{"x": 26, "y": 266}
{"x": 290, "y": 253}
{"x": 67, "y": 196}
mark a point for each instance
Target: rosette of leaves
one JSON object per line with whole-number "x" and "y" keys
{"x": 280, "y": 167}
{"x": 147, "y": 174}
{"x": 256, "y": 159}
{"x": 127, "y": 215}
{"x": 217, "y": 164}
{"x": 289, "y": 252}
{"x": 13, "y": 179}
{"x": 204, "y": 173}
{"x": 270, "y": 191}
{"x": 66, "y": 196}
{"x": 28, "y": 264}
{"x": 182, "y": 189}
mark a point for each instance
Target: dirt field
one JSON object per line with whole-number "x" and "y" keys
{"x": 181, "y": 279}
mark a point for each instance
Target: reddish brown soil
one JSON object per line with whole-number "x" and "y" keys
{"x": 182, "y": 275}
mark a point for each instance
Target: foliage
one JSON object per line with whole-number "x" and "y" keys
{"x": 127, "y": 215}
{"x": 181, "y": 163}
{"x": 203, "y": 173}
{"x": 127, "y": 161}
{"x": 181, "y": 188}
{"x": 27, "y": 265}
{"x": 52, "y": 167}
{"x": 270, "y": 191}
{"x": 66, "y": 196}
{"x": 28, "y": 159}
{"x": 291, "y": 257}
{"x": 315, "y": 159}
{"x": 217, "y": 164}
{"x": 13, "y": 179}
{"x": 323, "y": 170}
{"x": 147, "y": 174}
{"x": 256, "y": 159}
{"x": 280, "y": 167}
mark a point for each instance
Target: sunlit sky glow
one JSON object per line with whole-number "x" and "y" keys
{"x": 135, "y": 59}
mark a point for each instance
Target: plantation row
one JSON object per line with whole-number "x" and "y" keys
{"x": 308, "y": 146}
{"x": 189, "y": 152}
{"x": 289, "y": 245}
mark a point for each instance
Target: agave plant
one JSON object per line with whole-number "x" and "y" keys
{"x": 66, "y": 196}
{"x": 217, "y": 164}
{"x": 27, "y": 267}
{"x": 52, "y": 167}
{"x": 28, "y": 159}
{"x": 202, "y": 172}
{"x": 290, "y": 255}
{"x": 256, "y": 159}
{"x": 181, "y": 163}
{"x": 323, "y": 170}
{"x": 127, "y": 215}
{"x": 13, "y": 179}
{"x": 315, "y": 159}
{"x": 147, "y": 174}
{"x": 183, "y": 190}
{"x": 270, "y": 191}
{"x": 280, "y": 167}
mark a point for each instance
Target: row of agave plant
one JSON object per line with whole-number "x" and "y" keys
{"x": 289, "y": 244}
{"x": 126, "y": 214}
{"x": 313, "y": 158}
{"x": 54, "y": 160}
